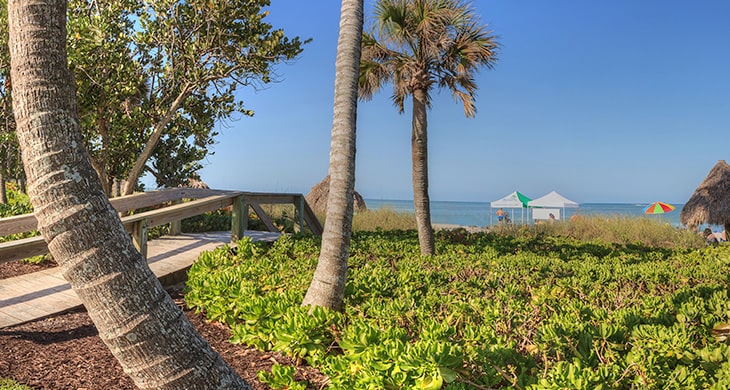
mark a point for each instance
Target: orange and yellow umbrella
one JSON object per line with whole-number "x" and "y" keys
{"x": 658, "y": 208}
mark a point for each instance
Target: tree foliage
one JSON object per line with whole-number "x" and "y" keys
{"x": 10, "y": 165}
{"x": 109, "y": 81}
{"x": 138, "y": 321}
{"x": 195, "y": 56}
{"x": 158, "y": 75}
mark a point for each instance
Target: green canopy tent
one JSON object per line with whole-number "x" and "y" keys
{"x": 515, "y": 200}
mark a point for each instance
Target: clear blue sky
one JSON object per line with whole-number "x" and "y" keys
{"x": 601, "y": 101}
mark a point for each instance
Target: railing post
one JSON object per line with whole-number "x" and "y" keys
{"x": 139, "y": 236}
{"x": 239, "y": 218}
{"x": 299, "y": 213}
{"x": 176, "y": 226}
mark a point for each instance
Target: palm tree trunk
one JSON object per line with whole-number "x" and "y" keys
{"x": 328, "y": 284}
{"x": 149, "y": 335}
{"x": 419, "y": 157}
{"x": 3, "y": 190}
{"x": 3, "y": 169}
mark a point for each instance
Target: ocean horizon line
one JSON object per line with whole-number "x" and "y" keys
{"x": 480, "y": 213}
{"x": 488, "y": 202}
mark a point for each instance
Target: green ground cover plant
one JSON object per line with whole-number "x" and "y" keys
{"x": 489, "y": 311}
{"x": 9, "y": 384}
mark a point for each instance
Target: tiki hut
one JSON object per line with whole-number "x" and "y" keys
{"x": 317, "y": 197}
{"x": 192, "y": 182}
{"x": 710, "y": 203}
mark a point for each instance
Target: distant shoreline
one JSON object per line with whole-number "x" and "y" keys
{"x": 482, "y": 215}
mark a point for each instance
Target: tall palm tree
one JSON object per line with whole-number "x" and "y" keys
{"x": 328, "y": 284}
{"x": 418, "y": 45}
{"x": 144, "y": 329}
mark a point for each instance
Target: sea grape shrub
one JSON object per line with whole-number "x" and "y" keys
{"x": 489, "y": 311}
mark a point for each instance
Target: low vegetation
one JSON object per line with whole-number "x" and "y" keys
{"x": 283, "y": 218}
{"x": 491, "y": 310}
{"x": 383, "y": 219}
{"x": 616, "y": 229}
{"x": 367, "y": 220}
{"x": 599, "y": 302}
{"x": 18, "y": 204}
{"x": 9, "y": 384}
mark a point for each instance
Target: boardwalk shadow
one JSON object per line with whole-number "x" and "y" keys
{"x": 46, "y": 337}
{"x": 33, "y": 295}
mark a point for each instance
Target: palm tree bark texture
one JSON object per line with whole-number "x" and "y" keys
{"x": 149, "y": 335}
{"x": 416, "y": 45}
{"x": 328, "y": 284}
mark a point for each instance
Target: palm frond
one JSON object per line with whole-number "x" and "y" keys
{"x": 392, "y": 18}
{"x": 371, "y": 78}
{"x": 423, "y": 43}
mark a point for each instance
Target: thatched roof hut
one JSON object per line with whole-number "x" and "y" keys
{"x": 317, "y": 197}
{"x": 194, "y": 183}
{"x": 711, "y": 201}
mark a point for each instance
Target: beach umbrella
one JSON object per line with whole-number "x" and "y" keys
{"x": 658, "y": 208}
{"x": 710, "y": 202}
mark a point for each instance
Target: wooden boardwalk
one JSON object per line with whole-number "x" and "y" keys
{"x": 45, "y": 293}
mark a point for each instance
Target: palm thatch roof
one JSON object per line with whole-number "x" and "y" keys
{"x": 194, "y": 183}
{"x": 710, "y": 202}
{"x": 317, "y": 197}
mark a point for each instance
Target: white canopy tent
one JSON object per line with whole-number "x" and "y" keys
{"x": 551, "y": 200}
{"x": 515, "y": 200}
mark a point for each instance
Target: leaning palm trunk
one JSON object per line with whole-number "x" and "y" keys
{"x": 328, "y": 284}
{"x": 419, "y": 156}
{"x": 149, "y": 335}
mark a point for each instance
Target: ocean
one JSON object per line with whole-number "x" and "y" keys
{"x": 480, "y": 214}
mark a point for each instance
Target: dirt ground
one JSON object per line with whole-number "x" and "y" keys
{"x": 65, "y": 351}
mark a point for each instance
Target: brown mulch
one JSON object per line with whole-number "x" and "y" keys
{"x": 65, "y": 351}
{"x": 17, "y": 268}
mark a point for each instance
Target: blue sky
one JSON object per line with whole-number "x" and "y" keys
{"x": 601, "y": 101}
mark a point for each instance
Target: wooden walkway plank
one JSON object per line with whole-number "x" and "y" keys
{"x": 45, "y": 293}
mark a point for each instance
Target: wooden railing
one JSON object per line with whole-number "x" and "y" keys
{"x": 171, "y": 209}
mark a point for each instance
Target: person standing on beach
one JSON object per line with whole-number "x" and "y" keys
{"x": 500, "y": 215}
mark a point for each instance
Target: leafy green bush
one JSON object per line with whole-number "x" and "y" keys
{"x": 489, "y": 311}
{"x": 19, "y": 204}
{"x": 281, "y": 378}
{"x": 9, "y": 384}
{"x": 219, "y": 220}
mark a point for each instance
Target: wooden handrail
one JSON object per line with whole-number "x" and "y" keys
{"x": 123, "y": 204}
{"x": 171, "y": 210}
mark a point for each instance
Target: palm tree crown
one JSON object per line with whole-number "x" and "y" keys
{"x": 418, "y": 43}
